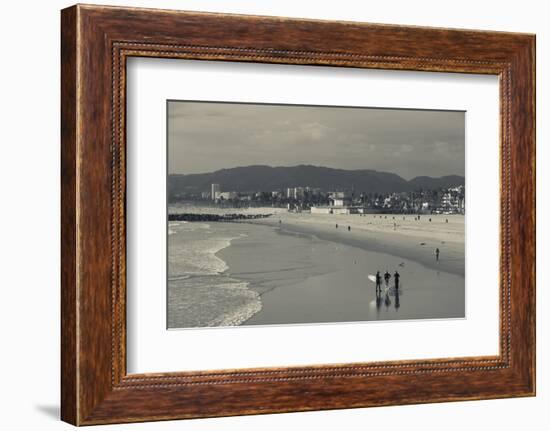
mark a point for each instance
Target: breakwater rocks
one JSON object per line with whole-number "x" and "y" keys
{"x": 215, "y": 217}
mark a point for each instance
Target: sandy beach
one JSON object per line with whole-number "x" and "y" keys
{"x": 410, "y": 238}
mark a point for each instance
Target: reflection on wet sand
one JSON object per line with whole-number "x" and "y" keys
{"x": 384, "y": 297}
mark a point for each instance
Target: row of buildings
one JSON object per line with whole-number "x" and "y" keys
{"x": 442, "y": 201}
{"x": 449, "y": 200}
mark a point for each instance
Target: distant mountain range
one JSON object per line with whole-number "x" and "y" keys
{"x": 267, "y": 178}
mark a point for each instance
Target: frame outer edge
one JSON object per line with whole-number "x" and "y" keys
{"x": 69, "y": 196}
{"x": 523, "y": 217}
{"x": 531, "y": 64}
{"x": 88, "y": 397}
{"x": 533, "y": 53}
{"x": 532, "y": 82}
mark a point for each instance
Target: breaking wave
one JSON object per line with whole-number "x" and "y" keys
{"x": 200, "y": 293}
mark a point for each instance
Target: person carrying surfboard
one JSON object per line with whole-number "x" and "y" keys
{"x": 396, "y": 279}
{"x": 387, "y": 277}
{"x": 378, "y": 281}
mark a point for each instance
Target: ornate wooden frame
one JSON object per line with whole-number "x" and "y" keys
{"x": 95, "y": 43}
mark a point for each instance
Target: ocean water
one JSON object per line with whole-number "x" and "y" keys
{"x": 200, "y": 292}
{"x": 227, "y": 274}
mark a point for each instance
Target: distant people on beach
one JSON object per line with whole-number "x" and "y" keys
{"x": 349, "y": 228}
{"x": 387, "y": 277}
{"x": 396, "y": 279}
{"x": 437, "y": 254}
{"x": 336, "y": 225}
{"x": 387, "y": 292}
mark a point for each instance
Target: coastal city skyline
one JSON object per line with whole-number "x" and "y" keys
{"x": 208, "y": 136}
{"x": 443, "y": 200}
{"x": 343, "y": 194}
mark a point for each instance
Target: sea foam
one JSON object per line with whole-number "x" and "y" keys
{"x": 200, "y": 293}
{"x": 210, "y": 302}
{"x": 198, "y": 257}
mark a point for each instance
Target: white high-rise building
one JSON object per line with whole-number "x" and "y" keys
{"x": 215, "y": 193}
{"x": 295, "y": 192}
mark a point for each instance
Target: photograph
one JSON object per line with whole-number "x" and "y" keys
{"x": 294, "y": 214}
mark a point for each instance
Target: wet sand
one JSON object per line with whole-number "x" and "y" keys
{"x": 303, "y": 278}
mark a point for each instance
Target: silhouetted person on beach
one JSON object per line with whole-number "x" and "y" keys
{"x": 387, "y": 277}
{"x": 349, "y": 228}
{"x": 396, "y": 280}
{"x": 437, "y": 254}
{"x": 378, "y": 281}
{"x": 336, "y": 225}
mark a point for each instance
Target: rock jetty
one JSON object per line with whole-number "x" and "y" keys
{"x": 215, "y": 217}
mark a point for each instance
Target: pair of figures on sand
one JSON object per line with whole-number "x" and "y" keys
{"x": 387, "y": 278}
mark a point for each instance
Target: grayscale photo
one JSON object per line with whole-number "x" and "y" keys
{"x": 295, "y": 214}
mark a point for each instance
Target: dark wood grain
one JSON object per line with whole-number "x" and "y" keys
{"x": 69, "y": 397}
{"x": 96, "y": 41}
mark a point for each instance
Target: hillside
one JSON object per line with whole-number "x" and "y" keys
{"x": 267, "y": 178}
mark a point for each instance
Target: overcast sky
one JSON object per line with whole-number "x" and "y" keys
{"x": 204, "y": 137}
